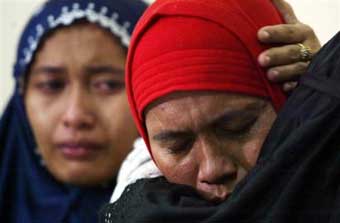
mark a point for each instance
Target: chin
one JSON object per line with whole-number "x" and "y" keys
{"x": 81, "y": 175}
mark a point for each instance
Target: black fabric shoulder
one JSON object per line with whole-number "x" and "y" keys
{"x": 140, "y": 200}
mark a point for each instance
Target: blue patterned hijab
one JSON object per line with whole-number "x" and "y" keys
{"x": 28, "y": 192}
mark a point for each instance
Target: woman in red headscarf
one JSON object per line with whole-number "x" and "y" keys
{"x": 200, "y": 100}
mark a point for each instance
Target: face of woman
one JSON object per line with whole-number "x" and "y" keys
{"x": 77, "y": 107}
{"x": 208, "y": 140}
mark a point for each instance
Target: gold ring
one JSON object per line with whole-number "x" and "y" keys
{"x": 305, "y": 52}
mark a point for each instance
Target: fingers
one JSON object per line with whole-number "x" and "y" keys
{"x": 286, "y": 11}
{"x": 285, "y": 62}
{"x": 276, "y": 56}
{"x": 289, "y": 86}
{"x": 291, "y": 72}
{"x": 284, "y": 33}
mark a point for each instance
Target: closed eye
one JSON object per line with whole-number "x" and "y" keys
{"x": 237, "y": 124}
{"x": 175, "y": 142}
{"x": 236, "y": 130}
{"x": 180, "y": 146}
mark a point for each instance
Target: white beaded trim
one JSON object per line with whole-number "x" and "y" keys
{"x": 68, "y": 16}
{"x": 148, "y": 1}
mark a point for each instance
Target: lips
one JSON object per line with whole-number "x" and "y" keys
{"x": 80, "y": 150}
{"x": 213, "y": 192}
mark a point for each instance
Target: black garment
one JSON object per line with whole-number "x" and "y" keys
{"x": 296, "y": 179}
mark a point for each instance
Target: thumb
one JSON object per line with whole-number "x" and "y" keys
{"x": 286, "y": 11}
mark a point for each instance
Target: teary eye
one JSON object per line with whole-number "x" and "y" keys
{"x": 108, "y": 86}
{"x": 50, "y": 86}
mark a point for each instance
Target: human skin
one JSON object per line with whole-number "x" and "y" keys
{"x": 283, "y": 63}
{"x": 77, "y": 107}
{"x": 208, "y": 140}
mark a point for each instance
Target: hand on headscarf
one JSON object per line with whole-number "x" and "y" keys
{"x": 285, "y": 64}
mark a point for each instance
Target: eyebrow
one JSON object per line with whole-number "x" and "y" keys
{"x": 172, "y": 135}
{"x": 91, "y": 70}
{"x": 49, "y": 70}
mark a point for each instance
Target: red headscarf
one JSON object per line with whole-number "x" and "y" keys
{"x": 193, "y": 45}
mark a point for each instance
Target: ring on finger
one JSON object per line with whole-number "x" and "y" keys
{"x": 305, "y": 52}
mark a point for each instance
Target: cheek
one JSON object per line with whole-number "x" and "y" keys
{"x": 42, "y": 118}
{"x": 116, "y": 126}
{"x": 182, "y": 171}
{"x": 252, "y": 148}
{"x": 114, "y": 114}
{"x": 251, "y": 152}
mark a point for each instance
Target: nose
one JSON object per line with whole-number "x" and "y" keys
{"x": 217, "y": 172}
{"x": 216, "y": 165}
{"x": 78, "y": 112}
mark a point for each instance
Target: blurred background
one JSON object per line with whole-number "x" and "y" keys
{"x": 322, "y": 15}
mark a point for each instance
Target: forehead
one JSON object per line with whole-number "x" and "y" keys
{"x": 197, "y": 108}
{"x": 80, "y": 37}
{"x": 78, "y": 28}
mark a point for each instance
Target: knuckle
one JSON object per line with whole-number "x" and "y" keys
{"x": 308, "y": 30}
{"x": 290, "y": 31}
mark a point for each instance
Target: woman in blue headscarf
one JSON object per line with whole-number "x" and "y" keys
{"x": 60, "y": 146}
{"x": 67, "y": 126}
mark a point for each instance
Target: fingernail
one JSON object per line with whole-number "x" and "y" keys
{"x": 273, "y": 74}
{"x": 293, "y": 85}
{"x": 264, "y": 60}
{"x": 265, "y": 34}
{"x": 289, "y": 86}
